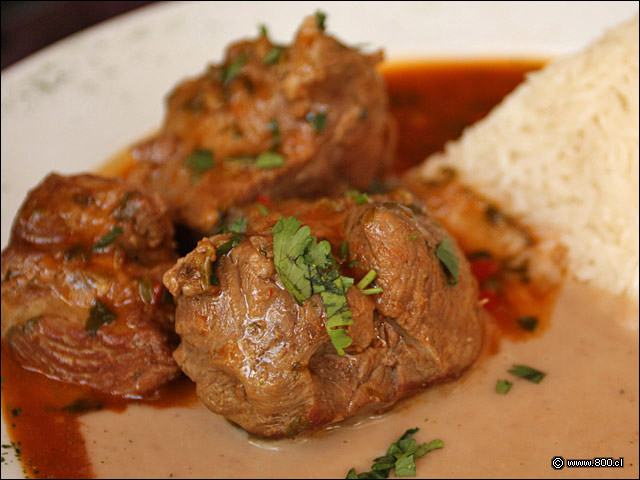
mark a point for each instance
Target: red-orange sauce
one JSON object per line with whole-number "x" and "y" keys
{"x": 432, "y": 103}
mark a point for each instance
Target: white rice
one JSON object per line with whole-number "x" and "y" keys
{"x": 561, "y": 154}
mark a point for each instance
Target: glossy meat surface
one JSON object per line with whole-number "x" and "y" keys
{"x": 82, "y": 299}
{"x": 321, "y": 107}
{"x": 267, "y": 363}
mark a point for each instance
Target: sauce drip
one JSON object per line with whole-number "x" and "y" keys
{"x": 41, "y": 414}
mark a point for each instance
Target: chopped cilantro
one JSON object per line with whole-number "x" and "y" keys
{"x": 239, "y": 225}
{"x": 232, "y": 70}
{"x": 400, "y": 456}
{"x": 83, "y": 405}
{"x": 262, "y": 209}
{"x": 306, "y": 267}
{"x": 108, "y": 239}
{"x": 321, "y": 18}
{"x": 361, "y": 199}
{"x": 274, "y": 128}
{"x": 272, "y": 56}
{"x": 268, "y": 160}
{"x": 528, "y": 323}
{"x": 227, "y": 246}
{"x": 527, "y": 373}
{"x": 264, "y": 32}
{"x": 199, "y": 162}
{"x": 344, "y": 249}
{"x": 371, "y": 291}
{"x": 99, "y": 315}
{"x": 317, "y": 120}
{"x": 445, "y": 253}
{"x": 503, "y": 386}
{"x": 367, "y": 279}
{"x": 413, "y": 236}
{"x": 146, "y": 289}
{"x": 353, "y": 264}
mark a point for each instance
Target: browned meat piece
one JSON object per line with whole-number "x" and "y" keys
{"x": 267, "y": 362}
{"x": 82, "y": 298}
{"x": 319, "y": 106}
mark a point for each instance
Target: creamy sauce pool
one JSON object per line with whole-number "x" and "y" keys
{"x": 586, "y": 406}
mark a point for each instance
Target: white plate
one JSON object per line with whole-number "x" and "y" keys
{"x": 71, "y": 106}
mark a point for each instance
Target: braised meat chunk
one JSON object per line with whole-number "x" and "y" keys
{"x": 282, "y": 121}
{"x": 257, "y": 312}
{"x": 82, "y": 298}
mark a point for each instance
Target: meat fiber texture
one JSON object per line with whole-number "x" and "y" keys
{"x": 81, "y": 285}
{"x": 318, "y": 105}
{"x": 560, "y": 154}
{"x": 266, "y": 362}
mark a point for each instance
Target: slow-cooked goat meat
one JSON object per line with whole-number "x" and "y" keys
{"x": 302, "y": 120}
{"x": 267, "y": 362}
{"x": 82, "y": 295}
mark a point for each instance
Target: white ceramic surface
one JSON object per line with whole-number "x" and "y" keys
{"x": 72, "y": 105}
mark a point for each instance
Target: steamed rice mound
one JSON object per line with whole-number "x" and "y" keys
{"x": 561, "y": 154}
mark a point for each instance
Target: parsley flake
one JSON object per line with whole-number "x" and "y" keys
{"x": 445, "y": 253}
{"x": 272, "y": 56}
{"x": 321, "y": 18}
{"x": 503, "y": 386}
{"x": 108, "y": 239}
{"x": 199, "y": 162}
{"x": 306, "y": 267}
{"x": 528, "y": 323}
{"x": 99, "y": 315}
{"x": 232, "y": 71}
{"x": 317, "y": 120}
{"x": 146, "y": 289}
{"x": 268, "y": 160}
{"x": 400, "y": 456}
{"x": 527, "y": 373}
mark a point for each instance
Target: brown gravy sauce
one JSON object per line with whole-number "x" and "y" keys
{"x": 590, "y": 358}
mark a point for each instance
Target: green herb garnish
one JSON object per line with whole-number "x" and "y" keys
{"x": 232, "y": 71}
{"x": 239, "y": 225}
{"x": 99, "y": 315}
{"x": 146, "y": 289}
{"x": 371, "y": 291}
{"x": 446, "y": 255}
{"x": 367, "y": 279}
{"x": 108, "y": 238}
{"x": 199, "y": 161}
{"x": 306, "y": 267}
{"x": 272, "y": 56}
{"x": 317, "y": 120}
{"x": 274, "y": 128}
{"x": 353, "y": 264}
{"x": 262, "y": 28}
{"x": 503, "y": 386}
{"x": 227, "y": 246}
{"x": 77, "y": 251}
{"x": 413, "y": 236}
{"x": 83, "y": 405}
{"x": 527, "y": 373}
{"x": 262, "y": 209}
{"x": 321, "y": 18}
{"x": 400, "y": 456}
{"x": 528, "y": 323}
{"x": 344, "y": 249}
{"x": 361, "y": 199}
{"x": 268, "y": 160}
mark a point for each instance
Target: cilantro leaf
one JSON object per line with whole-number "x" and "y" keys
{"x": 306, "y": 267}
{"x": 527, "y": 373}
{"x": 400, "y": 456}
{"x": 445, "y": 253}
